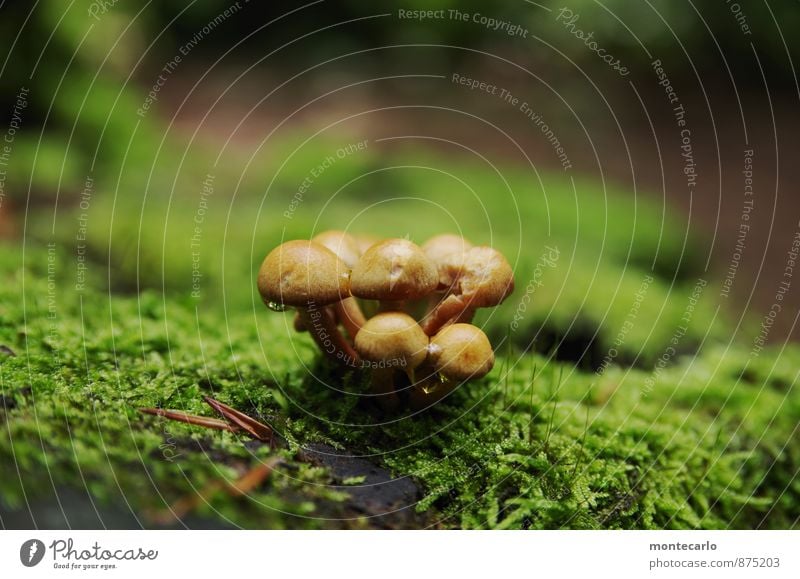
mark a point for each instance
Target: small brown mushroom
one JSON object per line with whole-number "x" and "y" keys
{"x": 342, "y": 244}
{"x": 485, "y": 280}
{"x": 393, "y": 338}
{"x": 391, "y": 341}
{"x": 461, "y": 352}
{"x": 309, "y": 276}
{"x": 448, "y": 252}
{"x": 457, "y": 353}
{"x": 347, "y": 311}
{"x": 392, "y": 271}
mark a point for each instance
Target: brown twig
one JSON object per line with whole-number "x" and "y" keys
{"x": 180, "y": 416}
{"x": 240, "y": 487}
{"x": 253, "y": 477}
{"x": 236, "y": 422}
{"x": 251, "y": 426}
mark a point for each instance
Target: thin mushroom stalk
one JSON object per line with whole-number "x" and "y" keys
{"x": 382, "y": 385}
{"x": 449, "y": 309}
{"x": 348, "y": 313}
{"x": 321, "y": 324}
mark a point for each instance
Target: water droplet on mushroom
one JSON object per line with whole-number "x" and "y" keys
{"x": 430, "y": 387}
{"x": 276, "y": 307}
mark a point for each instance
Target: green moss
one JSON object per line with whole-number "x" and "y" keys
{"x": 168, "y": 226}
{"x": 708, "y": 442}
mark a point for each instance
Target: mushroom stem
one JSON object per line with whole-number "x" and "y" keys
{"x": 321, "y": 324}
{"x": 465, "y": 317}
{"x": 392, "y": 306}
{"x": 411, "y": 374}
{"x": 448, "y": 309}
{"x": 430, "y": 389}
{"x": 349, "y": 314}
{"x": 382, "y": 384}
{"x": 298, "y": 323}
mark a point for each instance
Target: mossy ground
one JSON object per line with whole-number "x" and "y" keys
{"x": 545, "y": 441}
{"x": 711, "y": 443}
{"x": 578, "y": 425}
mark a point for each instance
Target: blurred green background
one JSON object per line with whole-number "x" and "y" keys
{"x": 164, "y": 148}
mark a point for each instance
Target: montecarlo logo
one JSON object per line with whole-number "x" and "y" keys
{"x": 31, "y": 552}
{"x": 67, "y": 555}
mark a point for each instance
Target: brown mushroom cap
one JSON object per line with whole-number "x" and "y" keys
{"x": 342, "y": 244}
{"x": 393, "y": 269}
{"x": 448, "y": 252}
{"x": 365, "y": 241}
{"x": 486, "y": 279}
{"x": 439, "y": 247}
{"x": 393, "y": 337}
{"x": 460, "y": 352}
{"x": 300, "y": 273}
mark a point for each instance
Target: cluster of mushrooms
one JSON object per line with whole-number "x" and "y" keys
{"x": 416, "y": 339}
